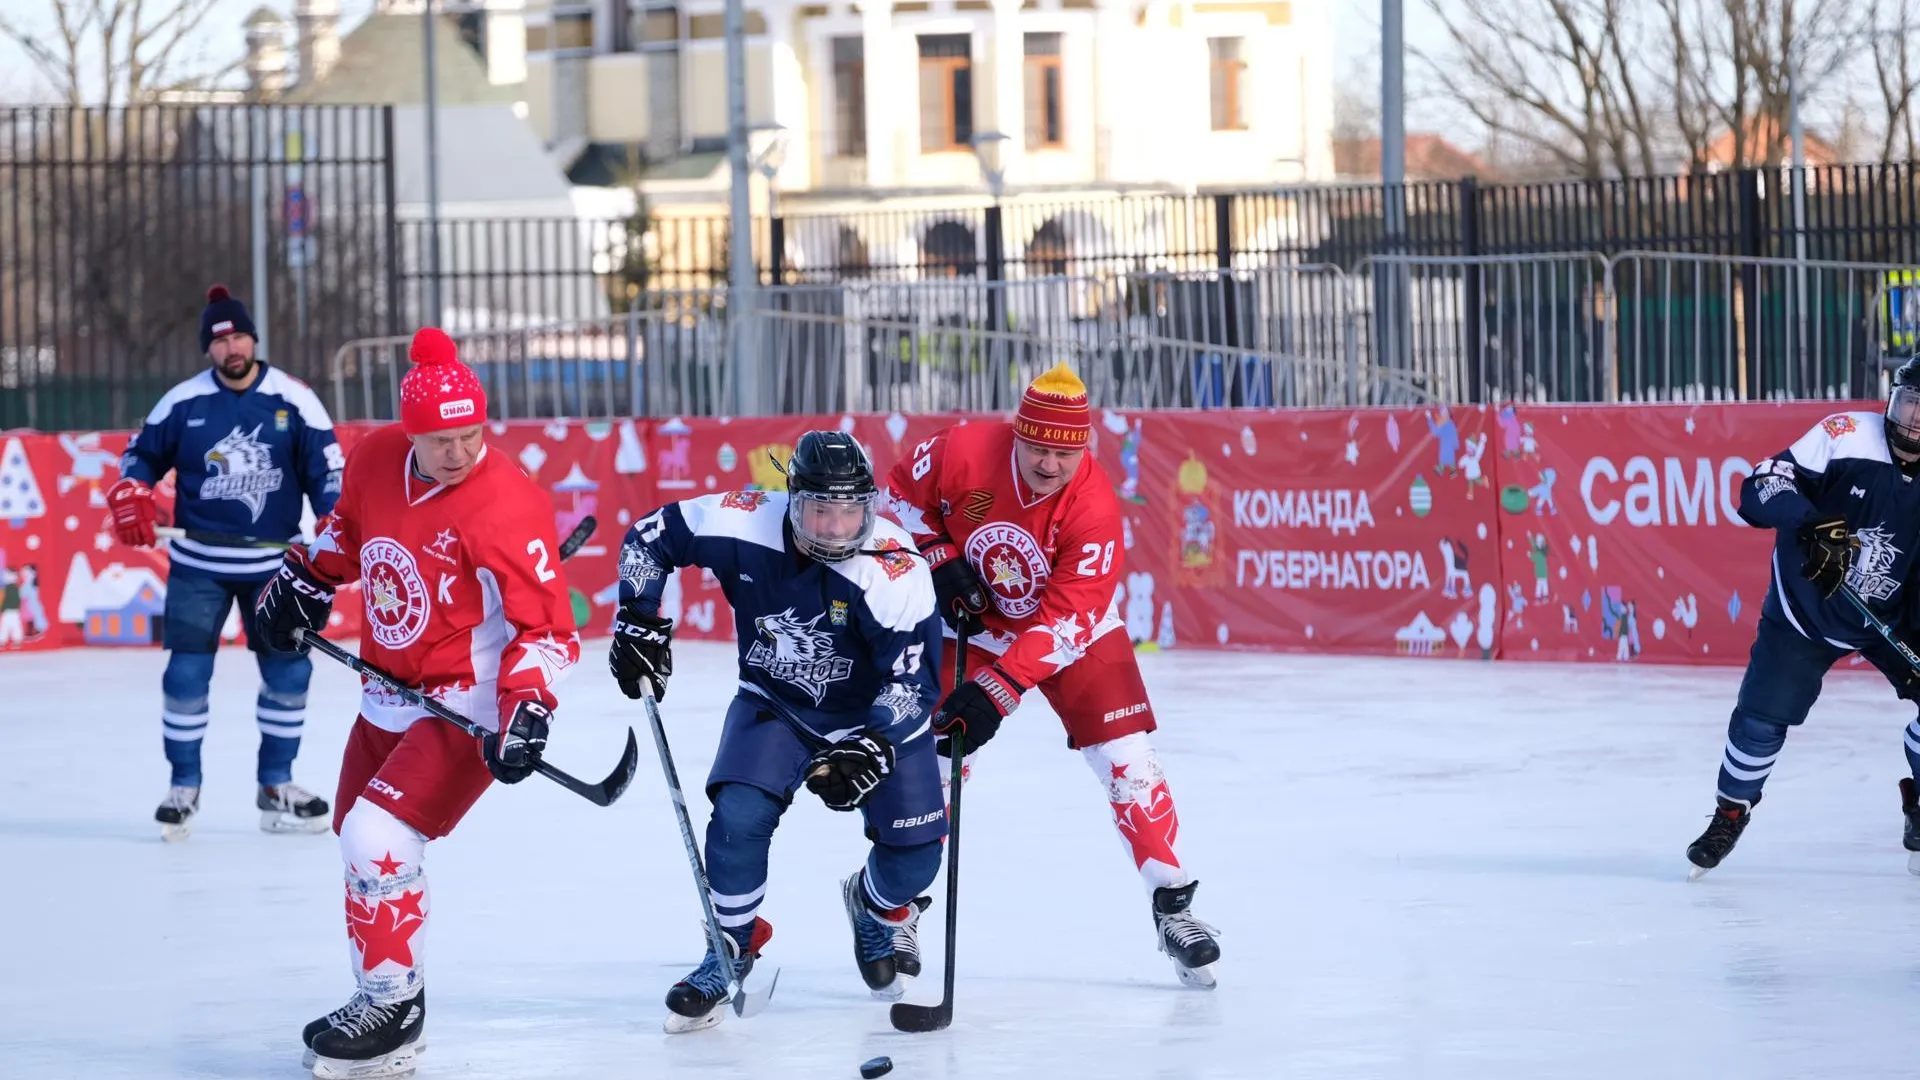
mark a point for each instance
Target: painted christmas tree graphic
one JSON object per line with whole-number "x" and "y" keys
{"x": 20, "y": 496}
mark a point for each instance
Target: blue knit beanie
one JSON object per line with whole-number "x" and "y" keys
{"x": 224, "y": 315}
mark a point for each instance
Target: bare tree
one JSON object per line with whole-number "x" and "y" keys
{"x": 1890, "y": 26}
{"x": 118, "y": 52}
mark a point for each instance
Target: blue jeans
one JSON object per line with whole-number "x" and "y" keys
{"x": 196, "y": 609}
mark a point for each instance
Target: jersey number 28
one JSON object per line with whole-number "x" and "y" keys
{"x": 1095, "y": 553}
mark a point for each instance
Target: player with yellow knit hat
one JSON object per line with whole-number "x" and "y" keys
{"x": 1023, "y": 533}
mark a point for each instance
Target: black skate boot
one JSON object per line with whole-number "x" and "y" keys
{"x": 906, "y": 940}
{"x": 694, "y": 1002}
{"x": 874, "y": 936}
{"x": 1910, "y": 806}
{"x": 1185, "y": 939}
{"x": 308, "y": 1033}
{"x": 290, "y": 808}
{"x": 1729, "y": 821}
{"x": 175, "y": 814}
{"x": 372, "y": 1041}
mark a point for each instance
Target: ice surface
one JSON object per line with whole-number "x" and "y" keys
{"x": 1421, "y": 868}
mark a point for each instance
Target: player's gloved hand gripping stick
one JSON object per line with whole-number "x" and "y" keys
{"x": 919, "y": 1018}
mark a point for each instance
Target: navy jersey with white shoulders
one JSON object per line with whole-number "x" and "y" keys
{"x": 833, "y": 647}
{"x": 1840, "y": 469}
{"x": 241, "y": 459}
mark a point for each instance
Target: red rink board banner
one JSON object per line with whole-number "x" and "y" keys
{"x": 1590, "y": 533}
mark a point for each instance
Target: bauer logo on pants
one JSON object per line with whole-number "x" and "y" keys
{"x": 1010, "y": 561}
{"x": 397, "y": 602}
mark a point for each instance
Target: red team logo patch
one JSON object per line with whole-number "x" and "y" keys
{"x": 744, "y": 500}
{"x": 1839, "y": 425}
{"x": 396, "y": 597}
{"x": 1010, "y": 561}
{"x": 896, "y": 566}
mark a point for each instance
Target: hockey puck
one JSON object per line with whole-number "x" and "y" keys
{"x": 879, "y": 1066}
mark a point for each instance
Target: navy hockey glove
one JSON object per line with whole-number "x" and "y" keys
{"x": 1827, "y": 549}
{"x": 642, "y": 651}
{"x": 976, "y": 708}
{"x": 960, "y": 595}
{"x": 294, "y": 598}
{"x": 845, "y": 774}
{"x": 514, "y": 751}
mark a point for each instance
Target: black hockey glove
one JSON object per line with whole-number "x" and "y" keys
{"x": 642, "y": 651}
{"x": 1827, "y": 549}
{"x": 293, "y": 599}
{"x": 845, "y": 774}
{"x": 960, "y": 595}
{"x": 976, "y": 707}
{"x": 514, "y": 751}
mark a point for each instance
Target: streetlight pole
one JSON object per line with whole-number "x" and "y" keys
{"x": 1393, "y": 175}
{"x": 742, "y": 277}
{"x": 987, "y": 147}
{"x": 435, "y": 312}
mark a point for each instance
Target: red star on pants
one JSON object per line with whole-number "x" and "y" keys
{"x": 409, "y": 903}
{"x": 382, "y": 931}
{"x": 1118, "y": 771}
{"x": 1149, "y": 829}
{"x": 388, "y": 865}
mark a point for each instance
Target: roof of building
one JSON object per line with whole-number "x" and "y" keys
{"x": 382, "y": 62}
{"x": 1429, "y": 157}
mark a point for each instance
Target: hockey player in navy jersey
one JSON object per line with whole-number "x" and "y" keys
{"x": 839, "y": 645}
{"x": 1846, "y": 511}
{"x": 245, "y": 442}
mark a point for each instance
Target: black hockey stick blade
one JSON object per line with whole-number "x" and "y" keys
{"x": 578, "y": 538}
{"x": 606, "y": 791}
{"x": 919, "y": 1019}
{"x": 174, "y": 532}
{"x": 601, "y": 794}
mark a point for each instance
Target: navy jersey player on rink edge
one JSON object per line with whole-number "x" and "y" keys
{"x": 1846, "y": 510}
{"x": 839, "y": 646}
{"x": 245, "y": 443}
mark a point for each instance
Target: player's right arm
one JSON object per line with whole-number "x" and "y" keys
{"x": 676, "y": 535}
{"x": 147, "y": 458}
{"x": 913, "y": 497}
{"x": 1780, "y": 491}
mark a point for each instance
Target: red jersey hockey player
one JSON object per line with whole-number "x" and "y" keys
{"x": 1022, "y": 532}
{"x": 455, "y": 552}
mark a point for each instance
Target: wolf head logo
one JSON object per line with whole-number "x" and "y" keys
{"x": 240, "y": 467}
{"x": 798, "y": 652}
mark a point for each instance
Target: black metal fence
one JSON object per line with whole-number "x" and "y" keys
{"x": 114, "y": 222}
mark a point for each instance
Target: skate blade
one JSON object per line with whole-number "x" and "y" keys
{"x": 1913, "y": 863}
{"x": 1200, "y": 978}
{"x": 893, "y": 991}
{"x": 1695, "y": 873}
{"x": 173, "y": 834}
{"x": 397, "y": 1064}
{"x": 749, "y": 1001}
{"x": 307, "y": 1059}
{"x": 275, "y": 821}
{"x": 682, "y": 1025}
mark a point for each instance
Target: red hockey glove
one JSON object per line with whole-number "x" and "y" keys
{"x": 960, "y": 595}
{"x": 976, "y": 708}
{"x": 133, "y": 514}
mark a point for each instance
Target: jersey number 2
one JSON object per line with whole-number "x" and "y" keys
{"x": 539, "y": 547}
{"x": 1095, "y": 553}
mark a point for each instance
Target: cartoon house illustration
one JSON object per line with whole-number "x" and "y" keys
{"x": 1419, "y": 637}
{"x": 124, "y": 607}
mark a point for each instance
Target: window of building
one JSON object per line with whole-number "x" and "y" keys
{"x": 1046, "y": 104}
{"x": 572, "y": 28}
{"x": 1227, "y": 89}
{"x": 946, "y": 92}
{"x": 850, "y": 97}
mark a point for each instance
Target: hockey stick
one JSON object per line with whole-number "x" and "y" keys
{"x": 923, "y": 1018}
{"x": 745, "y": 1004}
{"x": 601, "y": 794}
{"x": 174, "y": 532}
{"x": 1906, "y": 651}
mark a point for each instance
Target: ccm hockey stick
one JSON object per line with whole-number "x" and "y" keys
{"x": 1879, "y": 625}
{"x": 600, "y": 794}
{"x": 745, "y": 1003}
{"x": 923, "y": 1018}
{"x": 574, "y": 542}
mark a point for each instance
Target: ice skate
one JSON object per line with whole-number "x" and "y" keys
{"x": 906, "y": 940}
{"x": 333, "y": 1019}
{"x": 874, "y": 936}
{"x": 694, "y": 1003}
{"x": 290, "y": 808}
{"x": 372, "y": 1040}
{"x": 1187, "y": 941}
{"x": 175, "y": 814}
{"x": 1910, "y": 807}
{"x": 1730, "y": 818}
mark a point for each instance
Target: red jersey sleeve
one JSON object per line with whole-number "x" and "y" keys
{"x": 913, "y": 491}
{"x": 334, "y": 556}
{"x": 522, "y": 558}
{"x": 1088, "y": 564}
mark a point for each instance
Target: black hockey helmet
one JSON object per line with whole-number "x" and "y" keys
{"x": 1903, "y": 412}
{"x": 831, "y": 495}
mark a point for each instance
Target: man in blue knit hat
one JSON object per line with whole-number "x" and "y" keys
{"x": 246, "y": 443}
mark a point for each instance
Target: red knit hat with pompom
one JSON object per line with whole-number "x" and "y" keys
{"x": 439, "y": 392}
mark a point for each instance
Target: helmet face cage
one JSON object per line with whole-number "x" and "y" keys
{"x": 814, "y": 544}
{"x": 1903, "y": 420}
